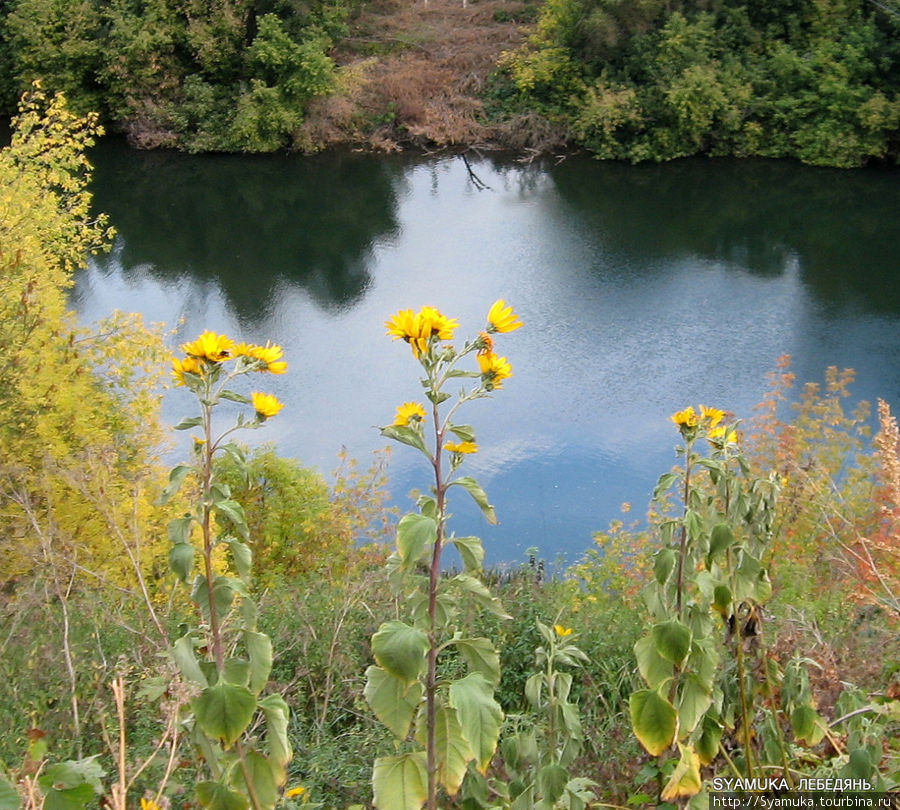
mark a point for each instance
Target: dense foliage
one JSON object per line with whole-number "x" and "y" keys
{"x": 233, "y": 75}
{"x": 813, "y": 79}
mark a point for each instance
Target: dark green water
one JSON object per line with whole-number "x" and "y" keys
{"x": 643, "y": 290}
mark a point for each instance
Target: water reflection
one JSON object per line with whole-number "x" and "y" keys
{"x": 642, "y": 289}
{"x": 758, "y": 216}
{"x": 249, "y": 224}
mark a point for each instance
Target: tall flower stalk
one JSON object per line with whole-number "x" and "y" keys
{"x": 445, "y": 726}
{"x": 236, "y": 773}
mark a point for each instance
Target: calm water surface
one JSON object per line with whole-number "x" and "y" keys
{"x": 642, "y": 289}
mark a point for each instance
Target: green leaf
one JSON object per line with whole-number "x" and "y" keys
{"x": 686, "y": 779}
{"x": 236, "y": 671}
{"x": 224, "y": 711}
{"x": 181, "y": 560}
{"x": 474, "y": 589}
{"x": 653, "y": 667}
{"x": 233, "y": 512}
{"x": 664, "y": 564}
{"x": 653, "y": 720}
{"x": 259, "y": 648}
{"x": 672, "y": 640}
{"x": 9, "y": 796}
{"x": 216, "y": 796}
{"x": 479, "y": 715}
{"x": 452, "y": 749}
{"x": 471, "y": 551}
{"x": 186, "y": 661}
{"x": 277, "y": 714}
{"x": 263, "y": 775}
{"x": 73, "y": 798}
{"x": 481, "y": 656}
{"x": 400, "y": 649}
{"x": 234, "y": 397}
{"x": 552, "y": 780}
{"x": 406, "y": 435}
{"x": 665, "y": 481}
{"x": 693, "y": 701}
{"x": 415, "y": 534}
{"x": 180, "y": 529}
{"x": 707, "y": 743}
{"x": 721, "y": 539}
{"x": 188, "y": 423}
{"x": 807, "y": 724}
{"x": 465, "y": 433}
{"x": 474, "y": 489}
{"x": 393, "y": 701}
{"x": 176, "y": 479}
{"x": 223, "y": 594}
{"x": 400, "y": 782}
{"x": 242, "y": 555}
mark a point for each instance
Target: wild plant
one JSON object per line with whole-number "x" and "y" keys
{"x": 442, "y": 724}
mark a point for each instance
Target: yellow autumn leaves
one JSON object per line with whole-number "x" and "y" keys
{"x": 206, "y": 355}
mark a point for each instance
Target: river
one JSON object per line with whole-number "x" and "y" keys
{"x": 642, "y": 288}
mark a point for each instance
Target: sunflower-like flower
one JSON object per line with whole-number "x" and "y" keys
{"x": 149, "y": 804}
{"x": 409, "y": 412}
{"x": 190, "y": 365}
{"x": 293, "y": 792}
{"x": 485, "y": 343}
{"x": 494, "y": 370}
{"x": 501, "y": 318}
{"x": 418, "y": 328}
{"x": 712, "y": 416}
{"x": 464, "y": 448}
{"x": 687, "y": 418}
{"x": 561, "y": 631}
{"x": 265, "y": 405}
{"x": 209, "y": 346}
{"x": 269, "y": 356}
{"x": 722, "y": 435}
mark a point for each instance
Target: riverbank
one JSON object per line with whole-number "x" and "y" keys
{"x": 414, "y": 73}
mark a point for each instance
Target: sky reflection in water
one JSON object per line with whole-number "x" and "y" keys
{"x": 642, "y": 289}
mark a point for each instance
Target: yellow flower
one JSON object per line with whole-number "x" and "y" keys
{"x": 686, "y": 418}
{"x": 712, "y": 415}
{"x": 409, "y": 412}
{"x": 417, "y": 328}
{"x": 723, "y": 435}
{"x": 561, "y": 631}
{"x": 149, "y": 804}
{"x": 294, "y": 791}
{"x": 210, "y": 346}
{"x": 485, "y": 343}
{"x": 269, "y": 355}
{"x": 461, "y": 447}
{"x": 187, "y": 366}
{"x": 494, "y": 370}
{"x": 501, "y": 318}
{"x": 265, "y": 405}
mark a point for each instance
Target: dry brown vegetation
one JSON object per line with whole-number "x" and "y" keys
{"x": 412, "y": 73}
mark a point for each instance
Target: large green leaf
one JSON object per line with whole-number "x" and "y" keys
{"x": 452, "y": 749}
{"x": 263, "y": 775}
{"x": 415, "y": 534}
{"x": 400, "y": 782}
{"x": 259, "y": 648}
{"x": 186, "y": 661}
{"x": 400, "y": 649}
{"x": 693, "y": 701}
{"x": 653, "y": 719}
{"x": 707, "y": 743}
{"x": 653, "y": 667}
{"x": 406, "y": 435}
{"x": 721, "y": 539}
{"x": 216, "y": 796}
{"x": 552, "y": 780}
{"x": 181, "y": 560}
{"x": 73, "y": 798}
{"x": 277, "y": 713}
{"x": 807, "y": 724}
{"x": 393, "y": 700}
{"x": 232, "y": 511}
{"x": 664, "y": 564}
{"x": 471, "y": 551}
{"x": 672, "y": 640}
{"x": 479, "y": 715}
{"x": 481, "y": 656}
{"x": 176, "y": 479}
{"x": 242, "y": 555}
{"x": 474, "y": 489}
{"x": 224, "y": 711}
